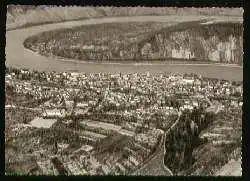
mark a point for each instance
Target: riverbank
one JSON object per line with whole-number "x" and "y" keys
{"x": 144, "y": 42}
{"x": 170, "y": 61}
{"x": 19, "y": 57}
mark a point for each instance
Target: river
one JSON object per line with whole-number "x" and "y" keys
{"x": 20, "y": 57}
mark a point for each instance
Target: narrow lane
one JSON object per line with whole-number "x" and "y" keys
{"x": 155, "y": 166}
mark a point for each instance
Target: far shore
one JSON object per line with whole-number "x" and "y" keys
{"x": 138, "y": 62}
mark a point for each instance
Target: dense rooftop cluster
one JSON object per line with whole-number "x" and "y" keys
{"x": 103, "y": 123}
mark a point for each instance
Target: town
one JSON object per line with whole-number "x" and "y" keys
{"x": 100, "y": 123}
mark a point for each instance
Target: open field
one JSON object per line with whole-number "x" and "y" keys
{"x": 42, "y": 123}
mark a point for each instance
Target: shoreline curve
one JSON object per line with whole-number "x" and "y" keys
{"x": 25, "y": 58}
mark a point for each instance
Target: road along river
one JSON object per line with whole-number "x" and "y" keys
{"x": 20, "y": 57}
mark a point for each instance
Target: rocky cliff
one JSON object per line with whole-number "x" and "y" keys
{"x": 220, "y": 42}
{"x": 192, "y": 41}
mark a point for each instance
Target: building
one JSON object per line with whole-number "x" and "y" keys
{"x": 133, "y": 160}
{"x": 120, "y": 167}
{"x": 39, "y": 122}
{"x": 81, "y": 105}
{"x": 188, "y": 81}
{"x": 85, "y": 148}
{"x": 54, "y": 113}
{"x": 105, "y": 169}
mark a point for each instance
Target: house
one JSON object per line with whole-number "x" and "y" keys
{"x": 120, "y": 167}
{"x": 188, "y": 81}
{"x": 84, "y": 149}
{"x": 54, "y": 113}
{"x": 87, "y": 148}
{"x": 128, "y": 164}
{"x": 142, "y": 138}
{"x": 94, "y": 163}
{"x": 81, "y": 105}
{"x": 240, "y": 103}
{"x": 69, "y": 104}
{"x": 74, "y": 169}
{"x": 234, "y": 104}
{"x": 195, "y": 103}
{"x": 105, "y": 169}
{"x": 133, "y": 160}
{"x": 80, "y": 111}
{"x": 8, "y": 76}
{"x": 62, "y": 146}
{"x": 92, "y": 103}
{"x": 67, "y": 121}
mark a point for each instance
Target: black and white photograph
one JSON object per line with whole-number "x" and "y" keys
{"x": 132, "y": 91}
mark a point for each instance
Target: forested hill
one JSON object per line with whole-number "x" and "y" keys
{"x": 190, "y": 41}
{"x": 219, "y": 42}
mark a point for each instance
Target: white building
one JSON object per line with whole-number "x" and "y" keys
{"x": 85, "y": 148}
{"x": 106, "y": 170}
{"x": 188, "y": 81}
{"x": 54, "y": 113}
{"x": 133, "y": 160}
{"x": 81, "y": 105}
